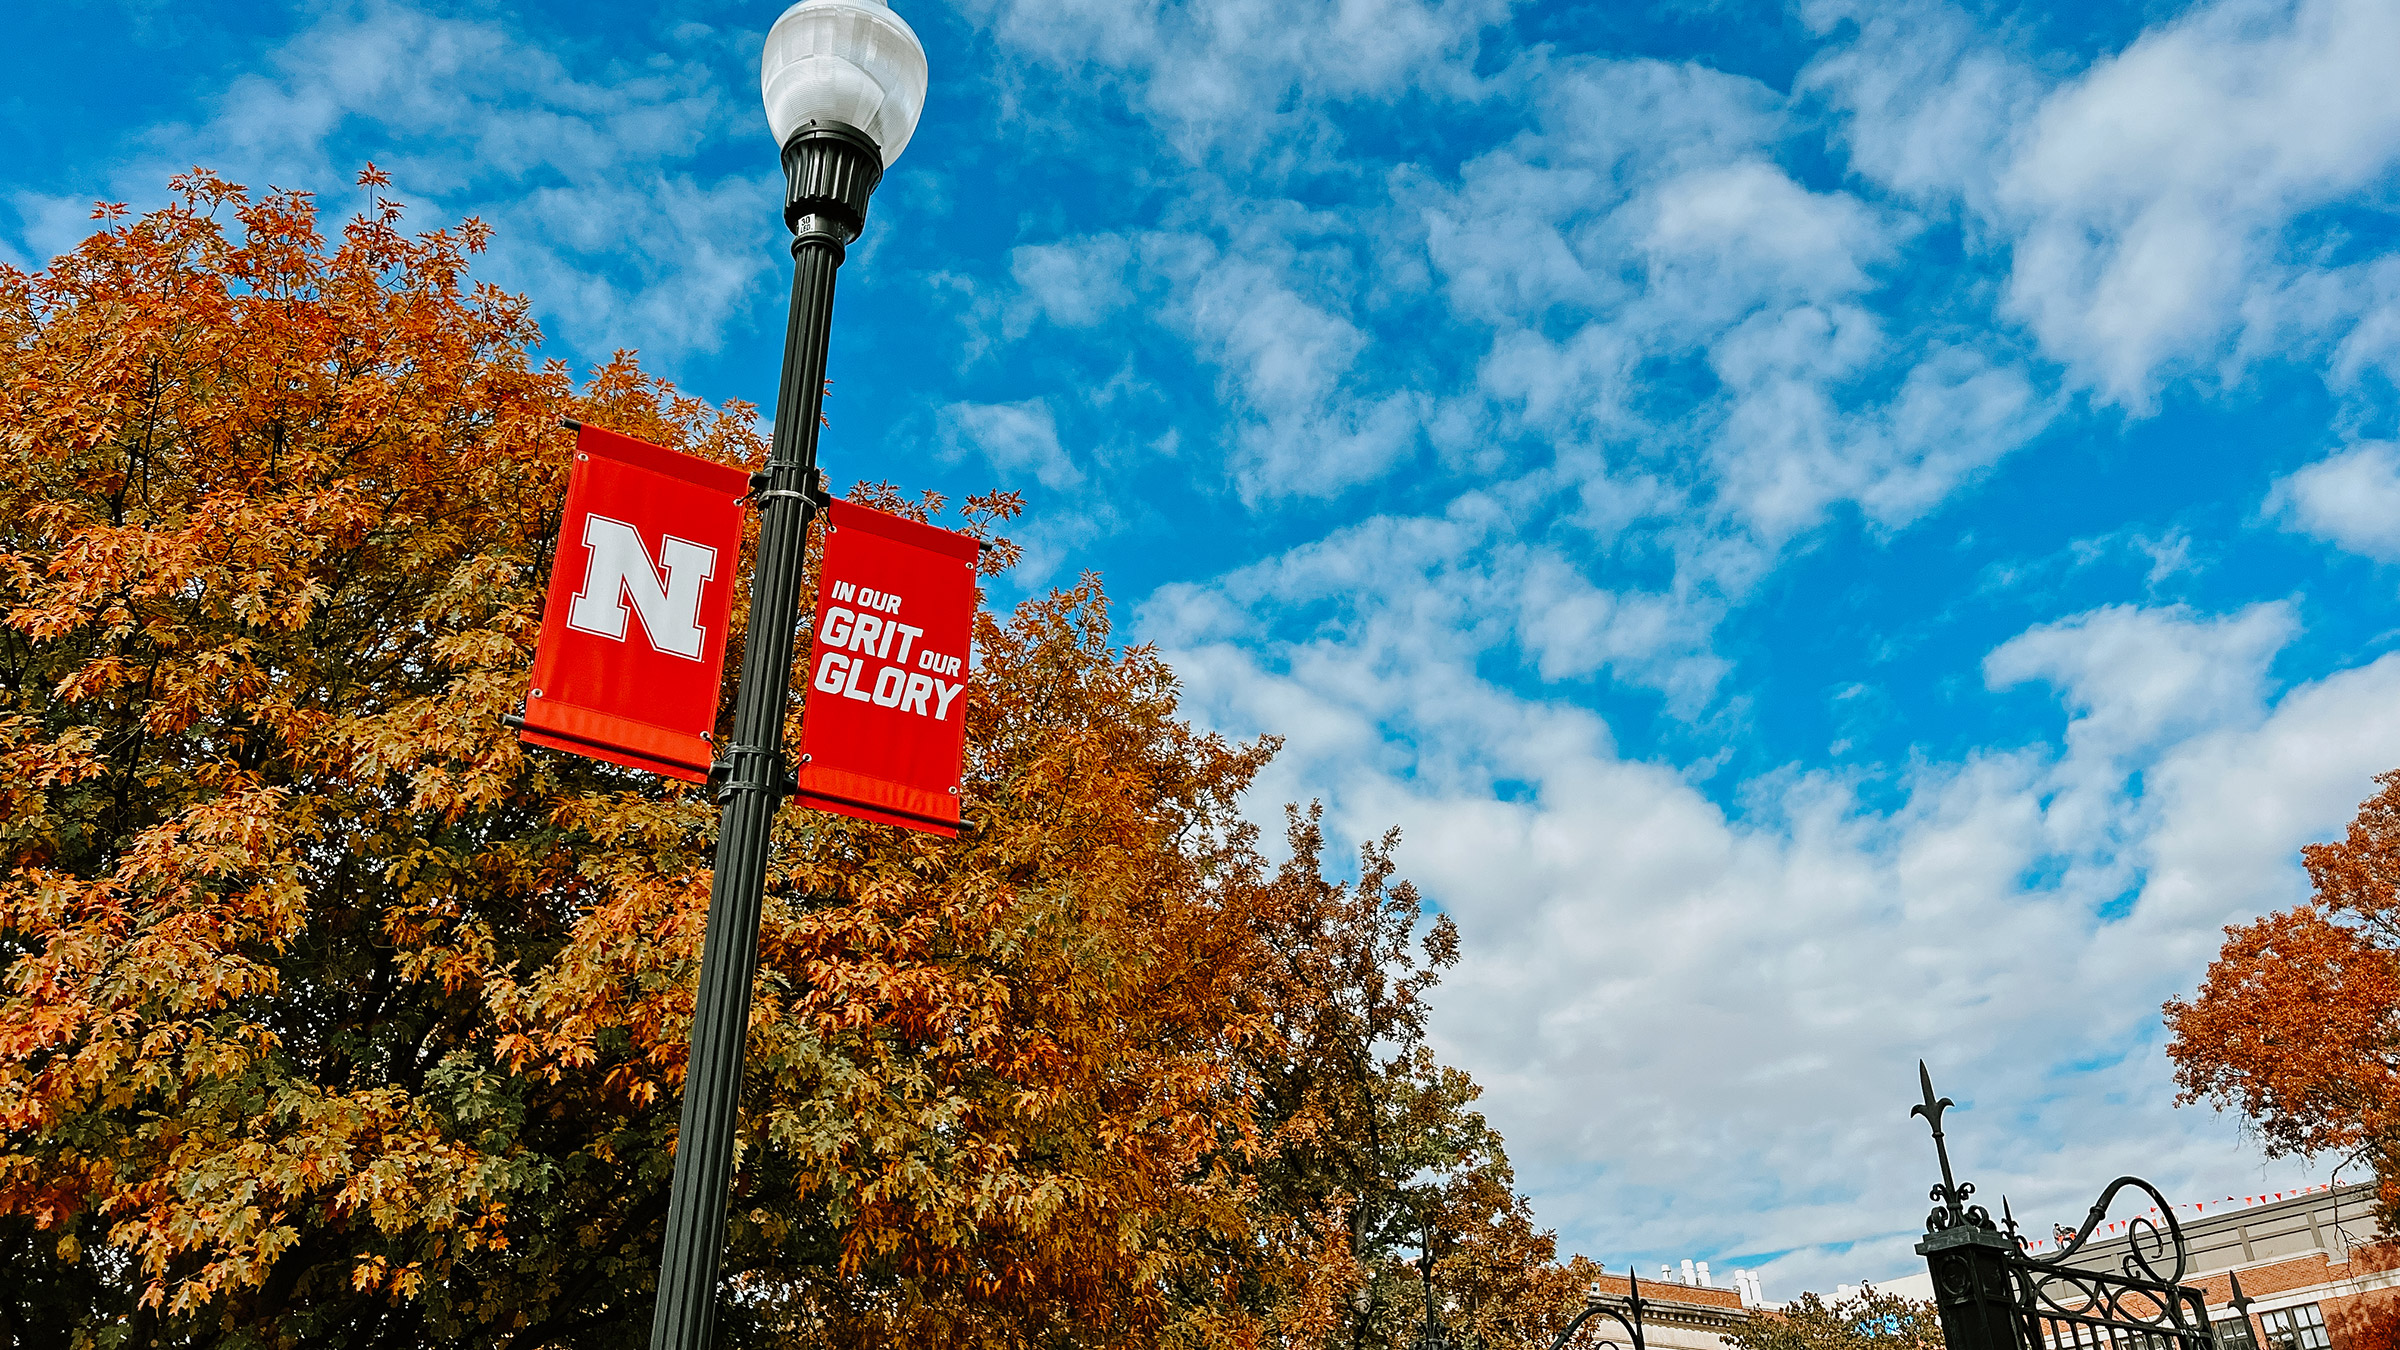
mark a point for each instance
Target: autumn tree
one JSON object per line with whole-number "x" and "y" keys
{"x": 1867, "y": 1320}
{"x": 2297, "y": 1022}
{"x": 1374, "y": 1146}
{"x": 1496, "y": 1273}
{"x": 334, "y": 1016}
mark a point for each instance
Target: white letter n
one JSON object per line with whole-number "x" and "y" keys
{"x": 620, "y": 569}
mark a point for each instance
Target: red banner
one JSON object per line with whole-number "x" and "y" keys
{"x": 887, "y": 674}
{"x": 641, "y": 589}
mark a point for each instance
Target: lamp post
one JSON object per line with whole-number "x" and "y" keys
{"x": 1432, "y": 1336}
{"x": 844, "y": 82}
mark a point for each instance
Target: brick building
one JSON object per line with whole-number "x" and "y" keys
{"x": 1674, "y": 1316}
{"x": 2319, "y": 1272}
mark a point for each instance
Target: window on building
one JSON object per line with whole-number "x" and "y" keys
{"x": 2301, "y": 1328}
{"x": 2233, "y": 1333}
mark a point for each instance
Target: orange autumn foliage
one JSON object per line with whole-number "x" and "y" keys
{"x": 2297, "y": 1023}
{"x": 334, "y": 1016}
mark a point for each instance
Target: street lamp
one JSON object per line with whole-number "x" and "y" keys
{"x": 844, "y": 82}
{"x": 1432, "y": 1336}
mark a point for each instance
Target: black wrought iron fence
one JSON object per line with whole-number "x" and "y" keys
{"x": 1993, "y": 1294}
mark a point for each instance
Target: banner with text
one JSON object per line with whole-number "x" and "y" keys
{"x": 641, "y": 591}
{"x": 887, "y": 713}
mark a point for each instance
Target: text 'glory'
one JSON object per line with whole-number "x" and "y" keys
{"x": 860, "y": 643}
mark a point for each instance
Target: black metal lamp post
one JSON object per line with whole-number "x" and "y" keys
{"x": 844, "y": 82}
{"x": 1431, "y": 1336}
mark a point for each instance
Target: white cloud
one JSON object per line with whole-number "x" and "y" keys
{"x": 1232, "y": 78}
{"x": 2235, "y": 803}
{"x": 1927, "y": 101}
{"x": 1642, "y": 218}
{"x": 1442, "y": 589}
{"x": 1076, "y": 283}
{"x": 1310, "y": 426}
{"x": 2182, "y": 152}
{"x": 1274, "y": 309}
{"x": 2155, "y": 209}
{"x": 1956, "y": 413}
{"x": 2134, "y": 681}
{"x": 1665, "y": 349}
{"x": 2374, "y": 343}
{"x": 1538, "y": 226}
{"x": 1787, "y": 451}
{"x": 581, "y": 171}
{"x": 1015, "y": 438}
{"x": 2350, "y": 499}
{"x": 1572, "y": 628}
{"x": 2134, "y": 677}
{"x": 1699, "y": 1028}
{"x": 1747, "y": 228}
{"x": 704, "y": 262}
{"x": 480, "y": 99}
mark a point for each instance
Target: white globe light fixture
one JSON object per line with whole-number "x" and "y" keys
{"x": 852, "y": 63}
{"x": 844, "y": 84}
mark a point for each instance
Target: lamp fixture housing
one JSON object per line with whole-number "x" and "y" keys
{"x": 849, "y": 63}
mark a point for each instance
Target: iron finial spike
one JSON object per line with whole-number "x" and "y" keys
{"x": 2241, "y": 1301}
{"x": 1932, "y": 1108}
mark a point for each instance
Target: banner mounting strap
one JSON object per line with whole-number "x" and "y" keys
{"x": 766, "y": 773}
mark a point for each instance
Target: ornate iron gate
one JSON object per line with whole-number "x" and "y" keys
{"x": 1994, "y": 1295}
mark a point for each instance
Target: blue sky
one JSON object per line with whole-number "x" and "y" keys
{"x": 1842, "y": 531}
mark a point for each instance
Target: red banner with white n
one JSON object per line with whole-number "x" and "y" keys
{"x": 641, "y": 592}
{"x": 887, "y": 674}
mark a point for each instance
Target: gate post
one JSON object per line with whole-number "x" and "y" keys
{"x": 1973, "y": 1288}
{"x": 1974, "y": 1282}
